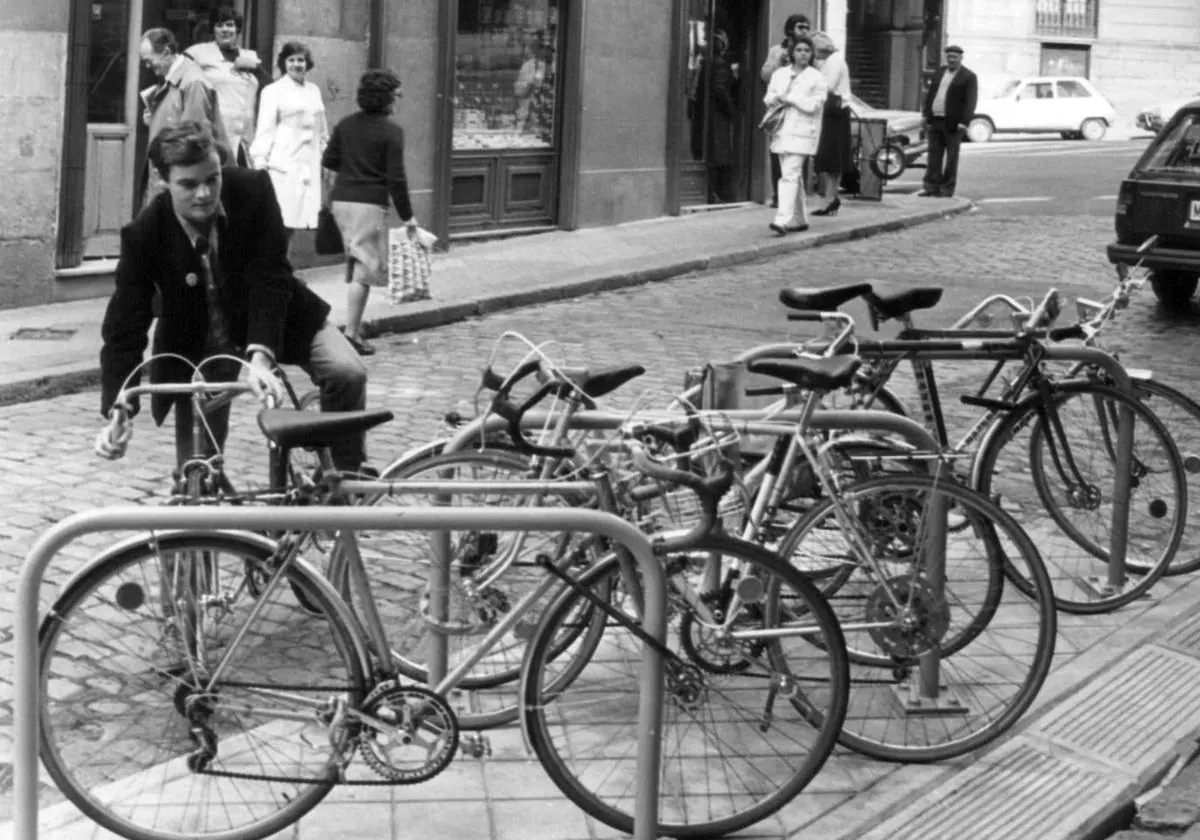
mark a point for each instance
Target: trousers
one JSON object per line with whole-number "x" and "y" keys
{"x": 793, "y": 204}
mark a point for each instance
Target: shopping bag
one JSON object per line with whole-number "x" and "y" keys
{"x": 329, "y": 238}
{"x": 409, "y": 264}
{"x": 773, "y": 119}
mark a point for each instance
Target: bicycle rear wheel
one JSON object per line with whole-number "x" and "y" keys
{"x": 747, "y": 723}
{"x": 138, "y": 733}
{"x": 993, "y": 646}
{"x": 1059, "y": 487}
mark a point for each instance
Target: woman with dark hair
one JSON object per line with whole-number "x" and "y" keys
{"x": 235, "y": 74}
{"x": 367, "y": 153}
{"x": 802, "y": 89}
{"x": 794, "y": 27}
{"x": 292, "y": 132}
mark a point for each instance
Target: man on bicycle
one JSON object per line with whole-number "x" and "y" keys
{"x": 214, "y": 248}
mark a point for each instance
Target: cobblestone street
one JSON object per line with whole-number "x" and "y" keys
{"x": 51, "y": 472}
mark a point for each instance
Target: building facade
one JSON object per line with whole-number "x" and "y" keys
{"x": 1137, "y": 52}
{"x": 520, "y": 115}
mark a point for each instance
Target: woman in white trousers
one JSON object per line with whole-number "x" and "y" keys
{"x": 803, "y": 89}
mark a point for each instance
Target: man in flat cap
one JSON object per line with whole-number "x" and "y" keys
{"x": 948, "y": 110}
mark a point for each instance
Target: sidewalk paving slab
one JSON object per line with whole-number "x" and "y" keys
{"x": 54, "y": 349}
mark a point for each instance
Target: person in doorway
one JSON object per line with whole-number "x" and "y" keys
{"x": 534, "y": 89}
{"x": 183, "y": 94}
{"x": 235, "y": 74}
{"x": 834, "y": 153}
{"x": 722, "y": 92}
{"x": 213, "y": 246}
{"x": 948, "y": 110}
{"x": 292, "y": 133}
{"x": 366, "y": 151}
{"x": 802, "y": 88}
{"x": 777, "y": 56}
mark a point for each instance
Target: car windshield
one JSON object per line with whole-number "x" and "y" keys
{"x": 859, "y": 106}
{"x": 1008, "y": 88}
{"x": 1177, "y": 150}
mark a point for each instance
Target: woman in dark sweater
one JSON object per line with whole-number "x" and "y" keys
{"x": 367, "y": 153}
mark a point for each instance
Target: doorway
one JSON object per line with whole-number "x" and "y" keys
{"x": 721, "y": 86}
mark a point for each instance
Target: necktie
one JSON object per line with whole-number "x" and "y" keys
{"x": 219, "y": 340}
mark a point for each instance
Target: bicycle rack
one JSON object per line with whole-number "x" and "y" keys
{"x": 929, "y": 699}
{"x": 439, "y": 520}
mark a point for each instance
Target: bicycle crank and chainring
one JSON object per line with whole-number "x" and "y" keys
{"x": 409, "y": 734}
{"x": 917, "y": 626}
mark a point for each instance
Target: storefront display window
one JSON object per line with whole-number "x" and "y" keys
{"x": 506, "y": 74}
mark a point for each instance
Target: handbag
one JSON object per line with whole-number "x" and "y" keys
{"x": 329, "y": 238}
{"x": 772, "y": 121}
{"x": 409, "y": 264}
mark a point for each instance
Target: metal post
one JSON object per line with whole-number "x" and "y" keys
{"x": 25, "y": 668}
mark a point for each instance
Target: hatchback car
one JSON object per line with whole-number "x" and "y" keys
{"x": 1066, "y": 105}
{"x": 906, "y": 142}
{"x": 1156, "y": 116}
{"x": 1161, "y": 197}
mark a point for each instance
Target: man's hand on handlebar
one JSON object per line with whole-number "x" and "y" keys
{"x": 263, "y": 380}
{"x": 112, "y": 441}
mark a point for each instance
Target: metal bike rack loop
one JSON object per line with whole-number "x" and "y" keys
{"x": 25, "y": 667}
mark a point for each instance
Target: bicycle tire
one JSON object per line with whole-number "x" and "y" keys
{"x": 102, "y": 756}
{"x": 1078, "y": 562}
{"x": 400, "y": 562}
{"x": 810, "y": 729}
{"x": 995, "y": 653}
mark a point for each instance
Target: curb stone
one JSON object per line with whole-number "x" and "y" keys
{"x": 431, "y": 314}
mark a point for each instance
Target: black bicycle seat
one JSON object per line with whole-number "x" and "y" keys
{"x": 902, "y": 303}
{"x": 810, "y": 374}
{"x": 606, "y": 380}
{"x": 293, "y": 428}
{"x": 823, "y": 298}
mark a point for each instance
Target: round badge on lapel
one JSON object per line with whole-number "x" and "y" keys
{"x": 191, "y": 279}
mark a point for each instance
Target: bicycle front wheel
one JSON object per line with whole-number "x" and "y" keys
{"x": 748, "y": 721}
{"x": 175, "y": 704}
{"x": 1053, "y": 467}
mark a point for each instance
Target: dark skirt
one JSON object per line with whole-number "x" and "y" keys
{"x": 834, "y": 154}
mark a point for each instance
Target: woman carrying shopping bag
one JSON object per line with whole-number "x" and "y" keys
{"x": 801, "y": 88}
{"x": 367, "y": 153}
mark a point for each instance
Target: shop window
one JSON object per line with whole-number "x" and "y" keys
{"x": 506, "y": 74}
{"x": 1065, "y": 60}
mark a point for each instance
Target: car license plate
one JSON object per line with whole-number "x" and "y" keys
{"x": 1194, "y": 213}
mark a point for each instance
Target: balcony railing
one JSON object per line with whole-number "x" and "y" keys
{"x": 1069, "y": 18}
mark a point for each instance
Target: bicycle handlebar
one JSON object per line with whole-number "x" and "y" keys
{"x": 845, "y": 321}
{"x": 708, "y": 490}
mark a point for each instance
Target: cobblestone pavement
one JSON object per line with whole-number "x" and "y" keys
{"x": 50, "y": 471}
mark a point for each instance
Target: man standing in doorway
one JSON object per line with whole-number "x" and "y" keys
{"x": 949, "y": 109}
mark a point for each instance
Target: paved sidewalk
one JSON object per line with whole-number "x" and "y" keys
{"x": 53, "y": 349}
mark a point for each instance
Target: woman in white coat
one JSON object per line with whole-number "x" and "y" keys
{"x": 803, "y": 89}
{"x": 290, "y": 136}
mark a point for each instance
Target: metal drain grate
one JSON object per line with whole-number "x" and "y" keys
{"x": 1185, "y": 636}
{"x": 1132, "y": 714}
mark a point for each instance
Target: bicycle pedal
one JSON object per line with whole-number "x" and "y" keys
{"x": 475, "y": 745}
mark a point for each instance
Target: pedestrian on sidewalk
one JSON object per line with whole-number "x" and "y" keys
{"x": 183, "y": 94}
{"x": 213, "y": 246}
{"x": 802, "y": 88}
{"x": 948, "y": 110}
{"x": 366, "y": 151}
{"x": 834, "y": 152}
{"x": 777, "y": 56}
{"x": 235, "y": 74}
{"x": 292, "y": 134}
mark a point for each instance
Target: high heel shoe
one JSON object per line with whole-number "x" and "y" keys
{"x": 831, "y": 209}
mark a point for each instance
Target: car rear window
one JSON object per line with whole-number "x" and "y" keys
{"x": 1177, "y": 150}
{"x": 1073, "y": 90}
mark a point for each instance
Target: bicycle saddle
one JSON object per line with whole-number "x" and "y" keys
{"x": 887, "y": 307}
{"x": 824, "y": 298}
{"x": 810, "y": 374}
{"x": 293, "y": 428}
{"x": 605, "y": 380}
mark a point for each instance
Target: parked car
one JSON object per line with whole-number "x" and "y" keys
{"x": 1156, "y": 116}
{"x": 1066, "y": 105}
{"x": 906, "y": 142}
{"x": 1161, "y": 197}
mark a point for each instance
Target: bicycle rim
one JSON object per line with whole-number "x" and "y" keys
{"x": 731, "y": 754}
{"x": 118, "y": 722}
{"x": 993, "y": 644}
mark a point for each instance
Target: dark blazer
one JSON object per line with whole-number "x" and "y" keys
{"x": 961, "y": 96}
{"x": 262, "y": 300}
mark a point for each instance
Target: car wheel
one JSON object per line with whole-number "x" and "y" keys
{"x": 888, "y": 162}
{"x": 1093, "y": 129}
{"x": 980, "y": 130}
{"x": 1174, "y": 289}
